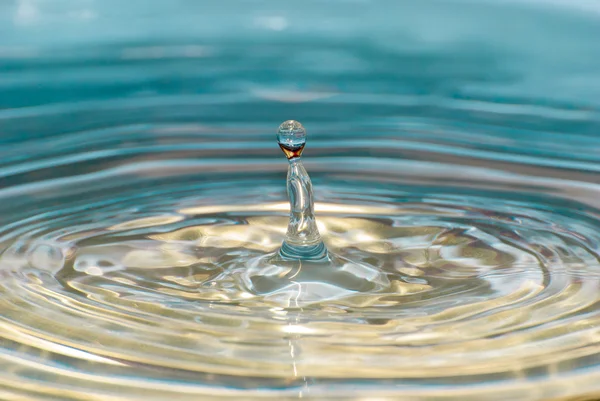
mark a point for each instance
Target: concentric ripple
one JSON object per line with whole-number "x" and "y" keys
{"x": 140, "y": 183}
{"x": 135, "y": 285}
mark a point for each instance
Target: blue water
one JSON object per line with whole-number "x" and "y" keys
{"x": 453, "y": 146}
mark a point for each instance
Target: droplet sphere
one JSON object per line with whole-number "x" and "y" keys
{"x": 291, "y": 135}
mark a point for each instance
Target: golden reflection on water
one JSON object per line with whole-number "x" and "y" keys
{"x": 460, "y": 303}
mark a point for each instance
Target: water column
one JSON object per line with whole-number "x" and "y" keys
{"x": 302, "y": 240}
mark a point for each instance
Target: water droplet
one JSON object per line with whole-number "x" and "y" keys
{"x": 291, "y": 137}
{"x": 303, "y": 271}
{"x": 302, "y": 239}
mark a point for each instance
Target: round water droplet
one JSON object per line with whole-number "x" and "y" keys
{"x": 291, "y": 134}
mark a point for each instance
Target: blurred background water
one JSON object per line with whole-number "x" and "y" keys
{"x": 453, "y": 145}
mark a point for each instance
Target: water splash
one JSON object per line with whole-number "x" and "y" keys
{"x": 303, "y": 272}
{"x": 302, "y": 240}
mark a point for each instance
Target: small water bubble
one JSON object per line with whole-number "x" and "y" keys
{"x": 46, "y": 257}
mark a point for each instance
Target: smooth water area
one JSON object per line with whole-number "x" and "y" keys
{"x": 454, "y": 164}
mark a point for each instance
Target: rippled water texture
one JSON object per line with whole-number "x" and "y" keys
{"x": 453, "y": 147}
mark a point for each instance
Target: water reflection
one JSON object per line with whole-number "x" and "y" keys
{"x": 454, "y": 156}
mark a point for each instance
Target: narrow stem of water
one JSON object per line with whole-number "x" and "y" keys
{"x": 302, "y": 240}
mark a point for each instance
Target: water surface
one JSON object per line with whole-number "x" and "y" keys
{"x": 139, "y": 174}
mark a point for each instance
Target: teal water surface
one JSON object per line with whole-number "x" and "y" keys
{"x": 453, "y": 147}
